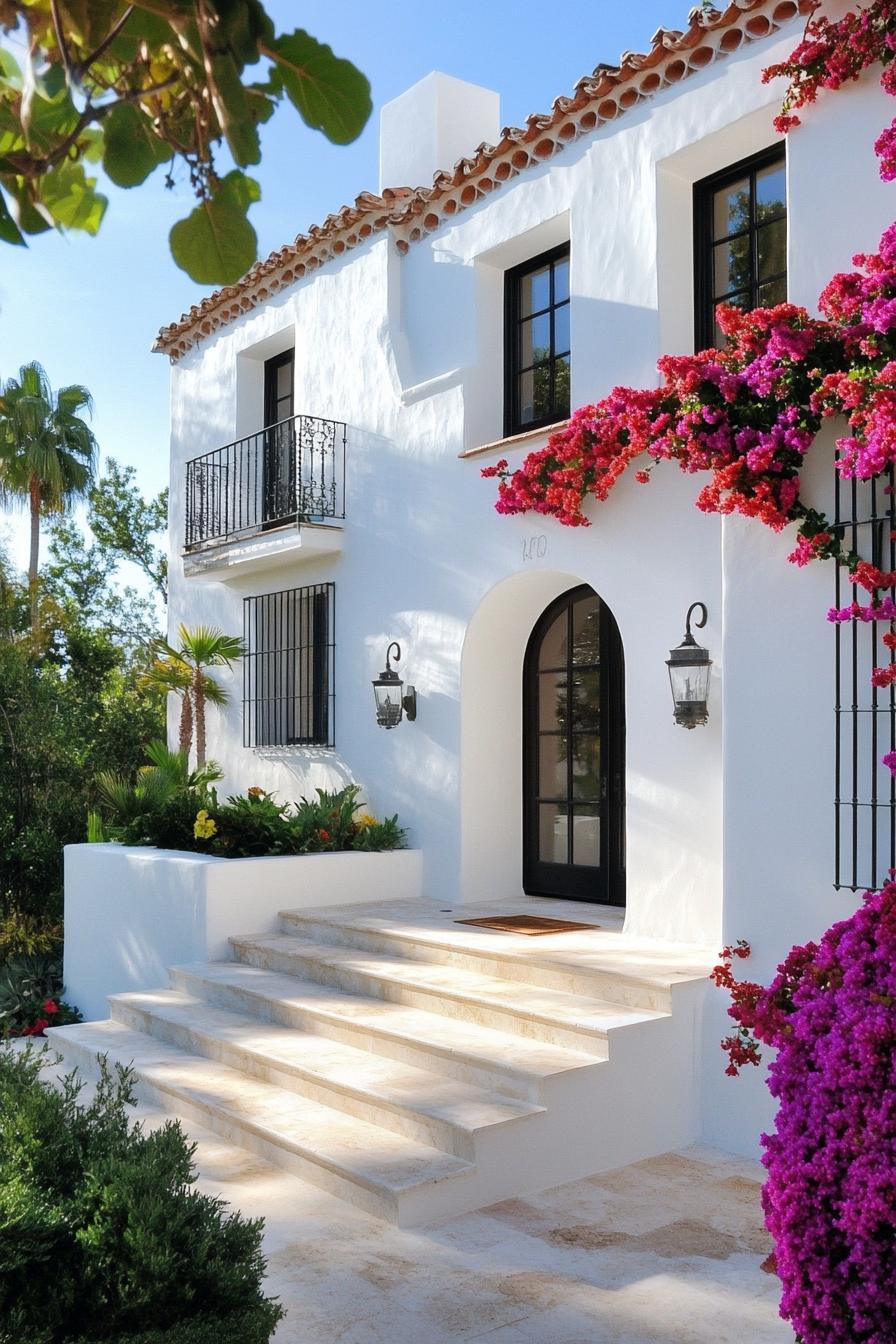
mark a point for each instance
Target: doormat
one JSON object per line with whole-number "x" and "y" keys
{"x": 532, "y": 925}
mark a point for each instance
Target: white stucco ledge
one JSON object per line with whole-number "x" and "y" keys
{"x": 307, "y": 541}
{"x": 529, "y": 439}
{"x": 131, "y": 912}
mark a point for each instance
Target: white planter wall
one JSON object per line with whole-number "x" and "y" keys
{"x": 132, "y": 912}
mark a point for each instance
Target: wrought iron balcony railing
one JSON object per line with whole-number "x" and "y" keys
{"x": 291, "y": 472}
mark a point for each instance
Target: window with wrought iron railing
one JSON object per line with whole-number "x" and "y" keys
{"x": 289, "y": 668}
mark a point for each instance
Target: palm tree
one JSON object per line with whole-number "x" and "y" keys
{"x": 183, "y": 670}
{"x": 47, "y": 451}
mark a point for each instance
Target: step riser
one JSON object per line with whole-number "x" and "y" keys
{"x": 378, "y": 1040}
{"x": 149, "y": 1091}
{"x": 365, "y": 982}
{"x": 603, "y": 984}
{"x": 422, "y": 1129}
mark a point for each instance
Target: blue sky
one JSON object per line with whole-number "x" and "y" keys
{"x": 89, "y": 308}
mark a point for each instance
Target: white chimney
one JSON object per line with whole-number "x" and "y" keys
{"x": 438, "y": 121}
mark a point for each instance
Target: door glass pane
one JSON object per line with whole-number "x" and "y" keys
{"x": 561, "y": 329}
{"x": 586, "y": 630}
{"x": 553, "y": 645}
{"x": 561, "y": 280}
{"x": 552, "y": 782}
{"x": 586, "y": 767}
{"x": 535, "y": 291}
{"x": 771, "y": 242}
{"x": 284, "y": 380}
{"x": 586, "y": 699}
{"x": 771, "y": 192}
{"x": 586, "y": 836}
{"x": 731, "y": 208}
{"x": 535, "y": 340}
{"x": 553, "y": 824}
{"x": 552, "y": 701}
{"x": 731, "y": 265}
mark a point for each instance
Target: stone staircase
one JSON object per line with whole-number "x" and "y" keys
{"x": 416, "y": 1067}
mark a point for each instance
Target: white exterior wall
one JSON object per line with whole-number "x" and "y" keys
{"x": 729, "y": 828}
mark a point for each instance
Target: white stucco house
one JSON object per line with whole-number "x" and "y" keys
{"x": 330, "y": 414}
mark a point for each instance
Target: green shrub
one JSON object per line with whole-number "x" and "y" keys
{"x": 103, "y": 1237}
{"x": 30, "y": 990}
{"x": 171, "y": 808}
{"x": 29, "y": 936}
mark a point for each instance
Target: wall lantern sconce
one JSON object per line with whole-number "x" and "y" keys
{"x": 689, "y": 666}
{"x": 387, "y": 692}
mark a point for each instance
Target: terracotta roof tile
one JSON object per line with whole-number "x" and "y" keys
{"x": 413, "y": 212}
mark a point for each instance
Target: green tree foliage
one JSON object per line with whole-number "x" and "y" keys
{"x": 182, "y": 670}
{"x": 47, "y": 451}
{"x": 71, "y": 705}
{"x": 152, "y": 84}
{"x": 125, "y": 524}
{"x": 103, "y": 1236}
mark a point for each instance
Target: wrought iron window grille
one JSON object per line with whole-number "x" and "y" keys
{"x": 865, "y": 717}
{"x": 290, "y": 668}
{"x": 289, "y": 472}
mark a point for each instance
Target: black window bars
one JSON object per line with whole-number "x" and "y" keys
{"x": 865, "y": 717}
{"x": 289, "y": 669}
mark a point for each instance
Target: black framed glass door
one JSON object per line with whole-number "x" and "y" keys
{"x": 279, "y": 474}
{"x": 574, "y": 753}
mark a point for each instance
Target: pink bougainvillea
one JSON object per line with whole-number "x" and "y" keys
{"x": 830, "y": 1193}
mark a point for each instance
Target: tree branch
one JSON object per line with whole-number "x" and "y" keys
{"x": 107, "y": 41}
{"x": 61, "y": 43}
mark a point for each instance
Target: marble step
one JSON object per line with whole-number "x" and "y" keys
{"x": 605, "y": 967}
{"x": 500, "y": 1061}
{"x": 423, "y": 1105}
{"x": 385, "y": 1173}
{"x": 555, "y": 1016}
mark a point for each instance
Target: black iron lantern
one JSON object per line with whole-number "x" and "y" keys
{"x": 390, "y": 695}
{"x": 689, "y": 666}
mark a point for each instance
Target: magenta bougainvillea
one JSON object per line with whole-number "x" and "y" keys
{"x": 830, "y": 1195}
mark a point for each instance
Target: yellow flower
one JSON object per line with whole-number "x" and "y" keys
{"x": 204, "y": 826}
{"x": 366, "y": 819}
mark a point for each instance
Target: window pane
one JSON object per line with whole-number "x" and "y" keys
{"x": 586, "y": 836}
{"x": 552, "y": 700}
{"x": 731, "y": 265}
{"x": 561, "y": 329}
{"x": 771, "y": 244}
{"x": 552, "y": 782}
{"x": 535, "y": 340}
{"x": 586, "y": 699}
{"x": 771, "y": 192}
{"x": 560, "y": 409}
{"x": 774, "y": 292}
{"x": 553, "y": 823}
{"x": 534, "y": 394}
{"x": 553, "y": 645}
{"x": 535, "y": 291}
{"x": 731, "y": 208}
{"x": 586, "y": 766}
{"x": 586, "y": 630}
{"x": 284, "y": 380}
{"x": 561, "y": 280}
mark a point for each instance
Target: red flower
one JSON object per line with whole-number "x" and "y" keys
{"x": 51, "y": 1007}
{"x": 323, "y": 835}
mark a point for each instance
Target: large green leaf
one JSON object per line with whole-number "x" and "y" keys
{"x": 216, "y": 244}
{"x": 71, "y": 198}
{"x": 131, "y": 150}
{"x": 9, "y": 230}
{"x": 232, "y": 108}
{"x": 330, "y": 93}
{"x": 243, "y": 24}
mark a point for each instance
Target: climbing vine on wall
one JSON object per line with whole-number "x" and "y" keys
{"x": 749, "y": 413}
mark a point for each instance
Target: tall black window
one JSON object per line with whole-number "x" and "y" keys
{"x": 537, "y": 342}
{"x": 288, "y": 672}
{"x": 740, "y": 243}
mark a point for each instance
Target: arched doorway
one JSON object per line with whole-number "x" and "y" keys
{"x": 574, "y": 753}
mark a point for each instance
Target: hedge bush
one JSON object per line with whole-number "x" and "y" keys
{"x": 103, "y": 1236}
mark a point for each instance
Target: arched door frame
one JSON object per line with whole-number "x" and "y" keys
{"x": 603, "y": 883}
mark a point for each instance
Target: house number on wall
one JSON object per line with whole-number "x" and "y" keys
{"x": 535, "y": 548}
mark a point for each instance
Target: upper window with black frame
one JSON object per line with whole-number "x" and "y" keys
{"x": 537, "y": 342}
{"x": 740, "y": 218}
